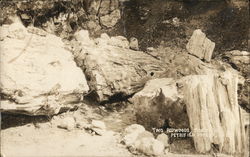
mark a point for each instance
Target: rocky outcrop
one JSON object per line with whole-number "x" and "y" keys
{"x": 63, "y": 18}
{"x": 38, "y": 75}
{"x": 200, "y": 46}
{"x": 207, "y": 104}
{"x": 112, "y": 69}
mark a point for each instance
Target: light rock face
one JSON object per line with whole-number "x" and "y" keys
{"x": 200, "y": 46}
{"x": 67, "y": 123}
{"x": 38, "y": 76}
{"x": 83, "y": 36}
{"x": 150, "y": 146}
{"x": 137, "y": 138}
{"x": 131, "y": 133}
{"x": 98, "y": 124}
{"x": 119, "y": 41}
{"x": 210, "y": 101}
{"x": 133, "y": 44}
{"x": 164, "y": 139}
{"x": 112, "y": 68}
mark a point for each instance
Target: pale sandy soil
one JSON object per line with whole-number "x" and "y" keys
{"x": 45, "y": 139}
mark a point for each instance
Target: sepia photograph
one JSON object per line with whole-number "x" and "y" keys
{"x": 124, "y": 78}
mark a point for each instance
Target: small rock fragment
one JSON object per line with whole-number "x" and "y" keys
{"x": 163, "y": 138}
{"x": 67, "y": 123}
{"x": 150, "y": 49}
{"x": 98, "y": 131}
{"x": 150, "y": 146}
{"x": 133, "y": 44}
{"x": 176, "y": 22}
{"x": 83, "y": 37}
{"x": 98, "y": 124}
{"x": 111, "y": 19}
{"x": 105, "y": 36}
{"x": 131, "y": 133}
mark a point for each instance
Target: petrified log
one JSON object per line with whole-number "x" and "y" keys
{"x": 111, "y": 68}
{"x": 213, "y": 113}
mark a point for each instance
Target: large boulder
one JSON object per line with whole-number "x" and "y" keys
{"x": 207, "y": 104}
{"x": 38, "y": 76}
{"x": 200, "y": 46}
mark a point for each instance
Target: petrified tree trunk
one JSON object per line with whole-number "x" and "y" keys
{"x": 213, "y": 113}
{"x": 213, "y": 109}
{"x": 112, "y": 68}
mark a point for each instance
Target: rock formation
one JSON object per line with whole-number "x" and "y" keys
{"x": 112, "y": 68}
{"x": 205, "y": 103}
{"x": 200, "y": 46}
{"x": 38, "y": 76}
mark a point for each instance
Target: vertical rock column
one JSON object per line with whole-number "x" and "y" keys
{"x": 214, "y": 114}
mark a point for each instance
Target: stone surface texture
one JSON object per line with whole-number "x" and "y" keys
{"x": 38, "y": 76}
{"x": 200, "y": 46}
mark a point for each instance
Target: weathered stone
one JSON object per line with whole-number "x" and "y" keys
{"x": 38, "y": 73}
{"x": 239, "y": 58}
{"x": 238, "y": 53}
{"x": 164, "y": 139}
{"x": 134, "y": 128}
{"x": 150, "y": 49}
{"x": 119, "y": 41}
{"x": 111, "y": 19}
{"x": 108, "y": 6}
{"x": 113, "y": 70}
{"x": 104, "y": 8}
{"x": 210, "y": 101}
{"x": 83, "y": 37}
{"x": 131, "y": 133}
{"x": 93, "y": 7}
{"x": 200, "y": 46}
{"x": 93, "y": 26}
{"x": 133, "y": 44}
{"x": 67, "y": 123}
{"x": 98, "y": 124}
{"x": 17, "y": 31}
{"x": 36, "y": 31}
{"x": 150, "y": 146}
